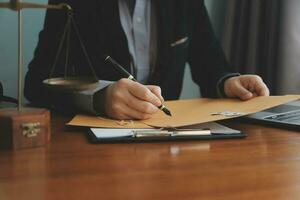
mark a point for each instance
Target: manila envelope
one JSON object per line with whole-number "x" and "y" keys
{"x": 101, "y": 122}
{"x": 189, "y": 112}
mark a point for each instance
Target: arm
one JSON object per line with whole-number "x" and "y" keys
{"x": 210, "y": 68}
{"x": 123, "y": 99}
{"x": 207, "y": 60}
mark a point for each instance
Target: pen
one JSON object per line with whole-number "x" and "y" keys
{"x": 130, "y": 77}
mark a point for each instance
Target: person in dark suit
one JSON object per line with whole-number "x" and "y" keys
{"x": 152, "y": 39}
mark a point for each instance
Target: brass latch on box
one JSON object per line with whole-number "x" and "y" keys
{"x": 31, "y": 129}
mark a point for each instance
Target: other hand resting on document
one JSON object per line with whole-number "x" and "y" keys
{"x": 245, "y": 87}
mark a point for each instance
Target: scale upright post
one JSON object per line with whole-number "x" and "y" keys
{"x": 20, "y": 59}
{"x": 24, "y": 127}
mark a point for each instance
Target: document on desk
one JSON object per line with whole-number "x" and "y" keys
{"x": 189, "y": 112}
{"x": 210, "y": 130}
{"x": 101, "y": 122}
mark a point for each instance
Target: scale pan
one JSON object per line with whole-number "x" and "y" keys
{"x": 71, "y": 83}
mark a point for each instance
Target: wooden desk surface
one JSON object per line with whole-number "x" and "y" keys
{"x": 265, "y": 165}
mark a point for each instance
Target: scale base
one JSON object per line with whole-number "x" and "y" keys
{"x": 28, "y": 128}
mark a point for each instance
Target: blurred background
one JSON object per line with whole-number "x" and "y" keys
{"x": 259, "y": 37}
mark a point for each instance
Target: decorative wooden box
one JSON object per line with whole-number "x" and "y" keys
{"x": 25, "y": 129}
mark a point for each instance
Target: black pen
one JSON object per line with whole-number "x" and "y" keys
{"x": 130, "y": 77}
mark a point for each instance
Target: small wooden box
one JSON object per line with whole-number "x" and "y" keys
{"x": 24, "y": 129}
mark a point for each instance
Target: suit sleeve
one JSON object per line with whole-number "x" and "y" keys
{"x": 206, "y": 57}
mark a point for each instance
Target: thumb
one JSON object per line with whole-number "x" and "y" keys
{"x": 156, "y": 90}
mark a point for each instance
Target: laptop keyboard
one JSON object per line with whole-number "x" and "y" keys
{"x": 292, "y": 117}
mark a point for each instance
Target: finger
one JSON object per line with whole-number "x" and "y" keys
{"x": 140, "y": 105}
{"x": 261, "y": 89}
{"x": 241, "y": 92}
{"x": 142, "y": 92}
{"x": 121, "y": 111}
{"x": 131, "y": 113}
{"x": 157, "y": 91}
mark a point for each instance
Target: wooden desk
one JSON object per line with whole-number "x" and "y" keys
{"x": 266, "y": 165}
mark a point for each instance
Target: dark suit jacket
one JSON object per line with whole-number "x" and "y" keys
{"x": 102, "y": 33}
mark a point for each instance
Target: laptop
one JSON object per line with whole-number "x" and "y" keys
{"x": 284, "y": 116}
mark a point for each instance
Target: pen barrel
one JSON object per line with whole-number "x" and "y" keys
{"x": 119, "y": 68}
{"x": 161, "y": 107}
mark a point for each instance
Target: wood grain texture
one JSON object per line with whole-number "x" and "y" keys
{"x": 265, "y": 165}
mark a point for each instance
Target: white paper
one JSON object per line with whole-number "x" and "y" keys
{"x": 114, "y": 133}
{"x": 215, "y": 128}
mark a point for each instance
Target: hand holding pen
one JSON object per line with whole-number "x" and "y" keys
{"x": 128, "y": 99}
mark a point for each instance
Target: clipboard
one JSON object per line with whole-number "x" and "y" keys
{"x": 206, "y": 131}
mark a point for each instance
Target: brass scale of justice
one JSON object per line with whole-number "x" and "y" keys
{"x": 30, "y": 127}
